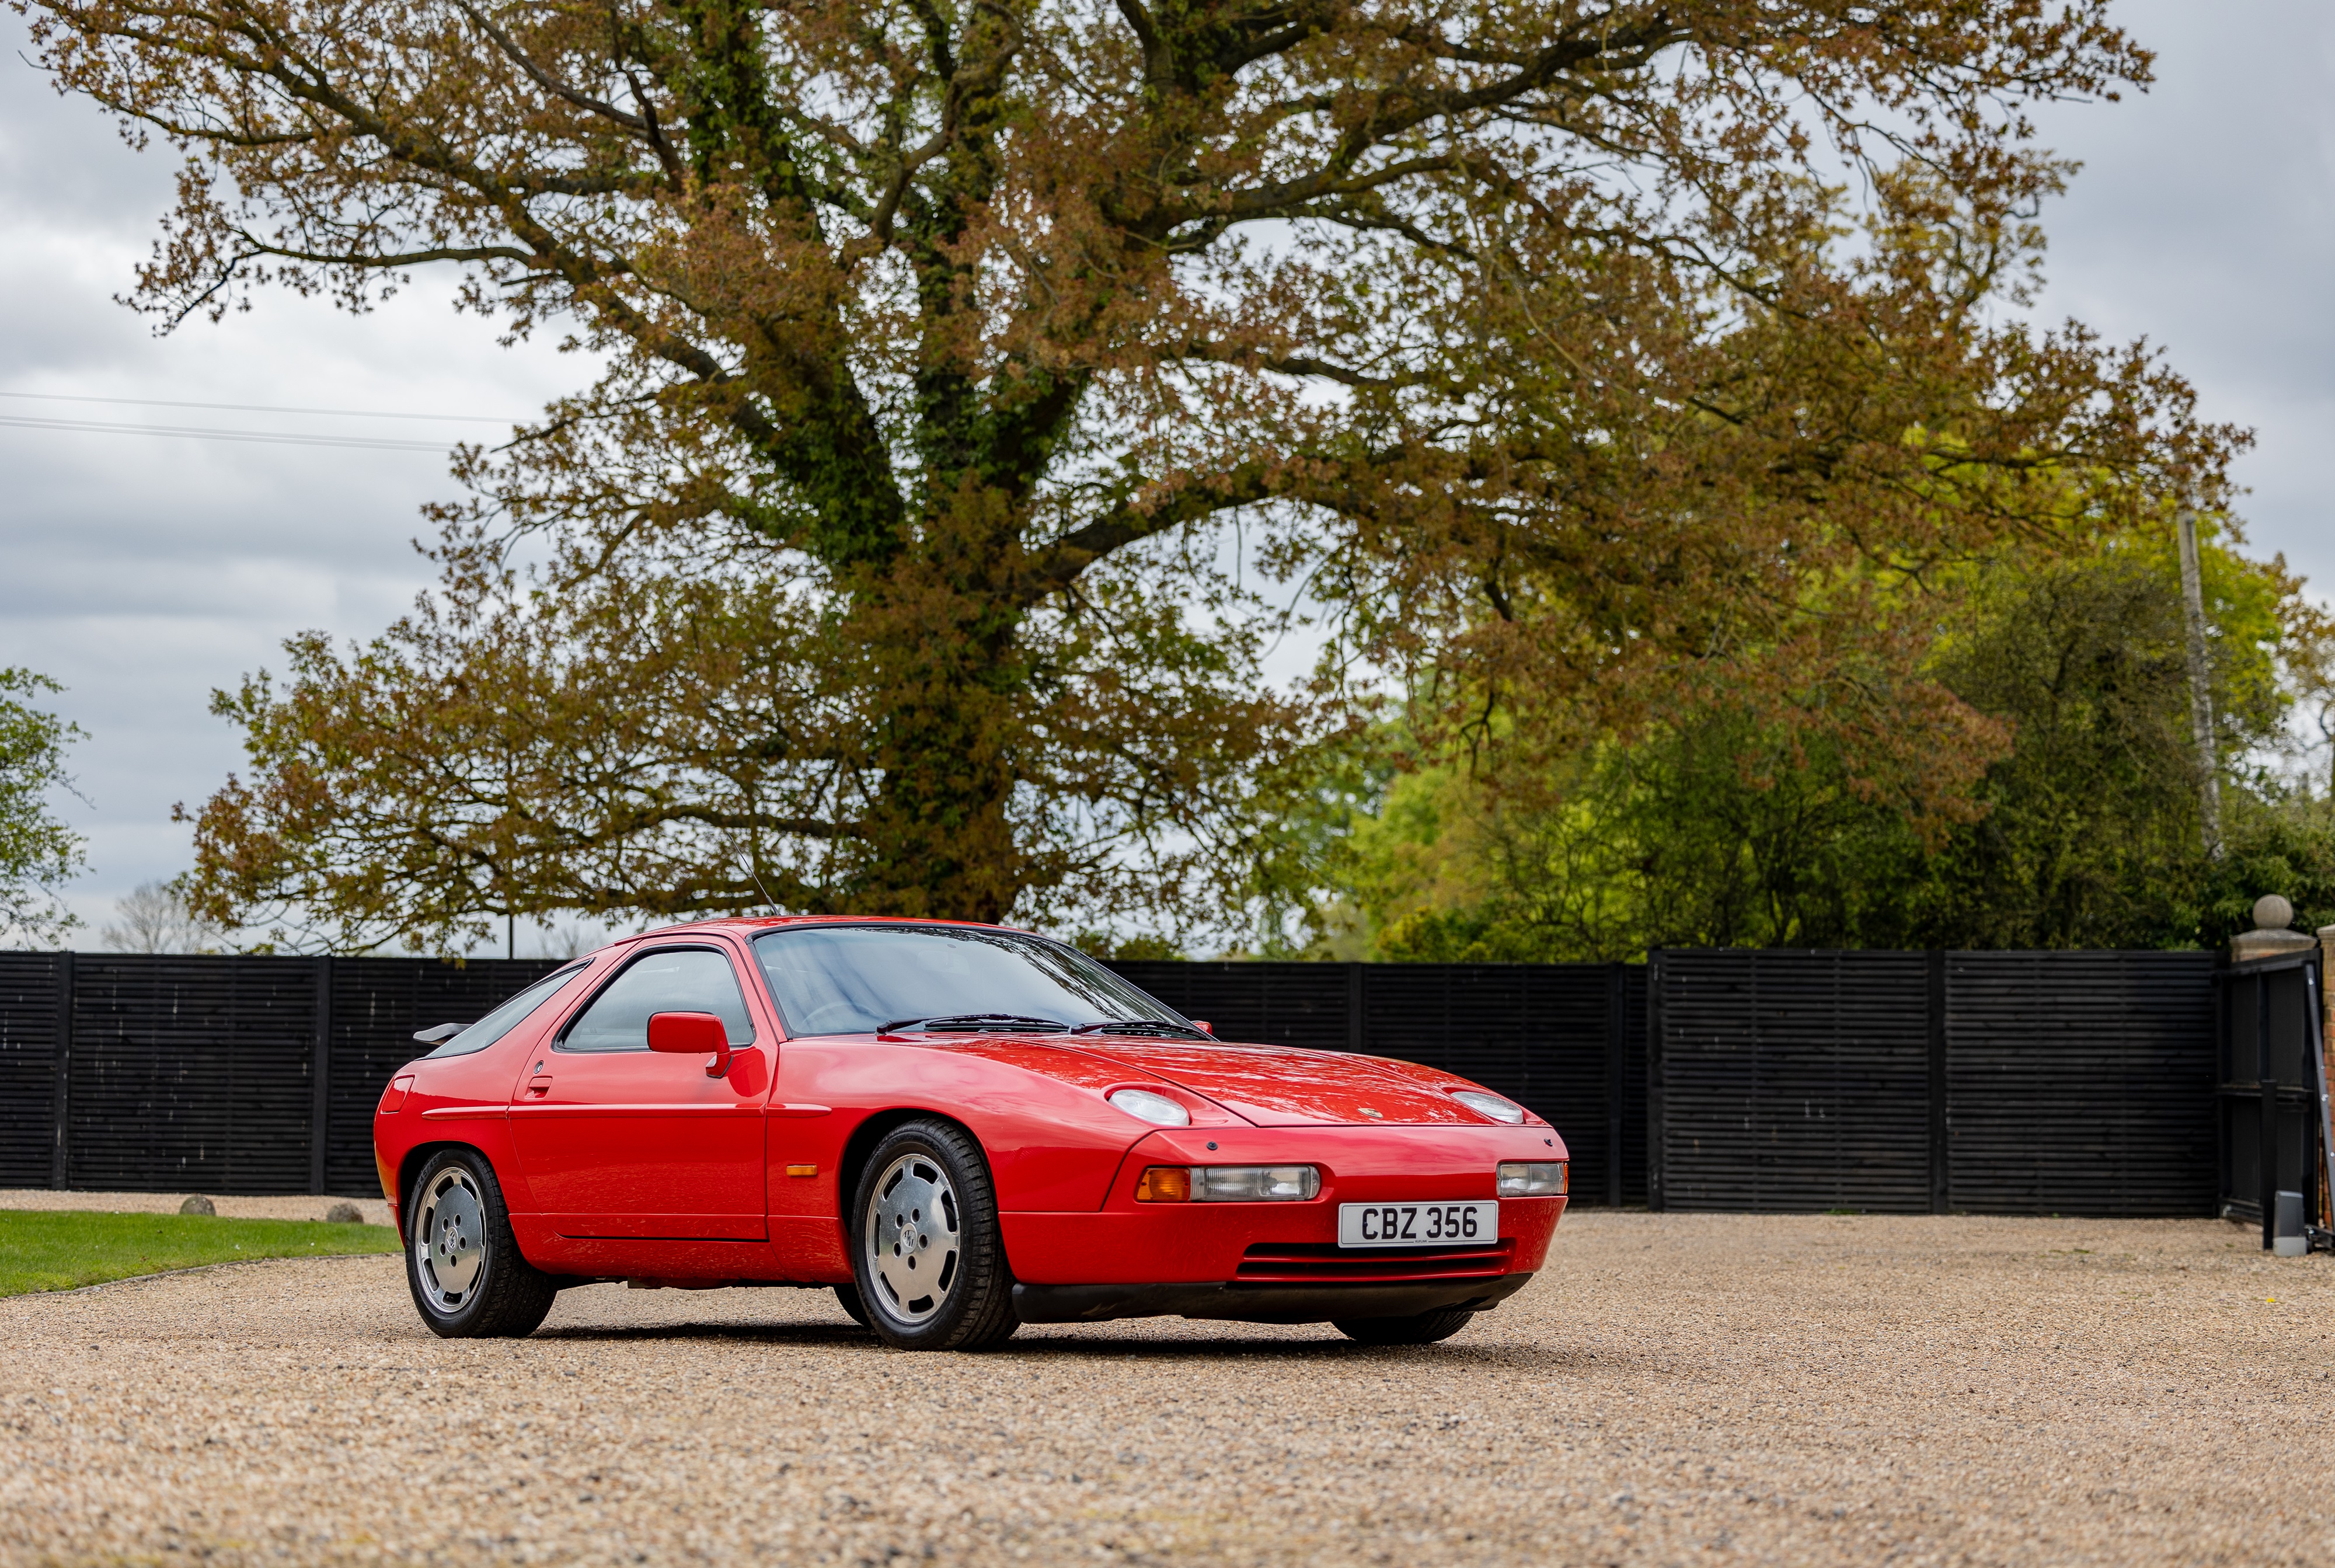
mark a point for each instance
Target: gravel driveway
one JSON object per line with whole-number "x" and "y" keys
{"x": 1675, "y": 1388}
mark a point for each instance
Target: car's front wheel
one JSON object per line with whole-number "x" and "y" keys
{"x": 925, "y": 1245}
{"x": 1425, "y": 1329}
{"x": 461, "y": 1262}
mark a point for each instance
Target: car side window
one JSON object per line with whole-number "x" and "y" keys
{"x": 662, "y": 980}
{"x": 509, "y": 1015}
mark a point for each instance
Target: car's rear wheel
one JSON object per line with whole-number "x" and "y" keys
{"x": 853, "y": 1307}
{"x": 924, "y": 1242}
{"x": 461, "y": 1262}
{"x": 1425, "y": 1329}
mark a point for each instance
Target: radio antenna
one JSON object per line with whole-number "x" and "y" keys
{"x": 772, "y": 903}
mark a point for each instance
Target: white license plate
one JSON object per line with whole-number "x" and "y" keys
{"x": 1417, "y": 1224}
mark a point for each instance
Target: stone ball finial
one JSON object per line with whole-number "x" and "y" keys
{"x": 2272, "y": 913}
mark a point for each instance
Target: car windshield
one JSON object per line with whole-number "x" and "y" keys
{"x": 854, "y": 978}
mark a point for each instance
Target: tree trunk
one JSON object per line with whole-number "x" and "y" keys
{"x": 945, "y": 666}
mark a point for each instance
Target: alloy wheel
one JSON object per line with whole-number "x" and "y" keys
{"x": 915, "y": 1238}
{"x": 450, "y": 1239}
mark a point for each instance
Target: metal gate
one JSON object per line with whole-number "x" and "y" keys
{"x": 2272, "y": 1104}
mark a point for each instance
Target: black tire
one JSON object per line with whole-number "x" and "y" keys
{"x": 952, "y": 1254}
{"x": 467, "y": 1287}
{"x": 1423, "y": 1330}
{"x": 853, "y": 1307}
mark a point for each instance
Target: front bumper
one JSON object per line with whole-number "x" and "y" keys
{"x": 1237, "y": 1301}
{"x": 1125, "y": 1242}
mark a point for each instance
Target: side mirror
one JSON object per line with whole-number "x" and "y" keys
{"x": 1204, "y": 1026}
{"x": 692, "y": 1034}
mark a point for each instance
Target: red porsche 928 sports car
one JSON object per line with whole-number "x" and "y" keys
{"x": 959, "y": 1127}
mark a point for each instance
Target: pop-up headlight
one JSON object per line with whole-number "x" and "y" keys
{"x": 1497, "y": 1106}
{"x": 1156, "y": 1108}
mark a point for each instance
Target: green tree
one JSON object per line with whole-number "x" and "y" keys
{"x": 39, "y": 854}
{"x": 2092, "y": 834}
{"x": 1718, "y": 827}
{"x": 1716, "y": 830}
{"x": 2283, "y": 844}
{"x": 969, "y": 363}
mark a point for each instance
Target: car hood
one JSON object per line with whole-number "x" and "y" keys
{"x": 1279, "y": 1086}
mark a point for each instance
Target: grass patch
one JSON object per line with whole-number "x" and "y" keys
{"x": 64, "y": 1249}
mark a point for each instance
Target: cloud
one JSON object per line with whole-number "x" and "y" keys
{"x": 2204, "y": 221}
{"x": 145, "y": 571}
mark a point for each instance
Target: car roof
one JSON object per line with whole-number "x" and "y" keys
{"x": 749, "y": 925}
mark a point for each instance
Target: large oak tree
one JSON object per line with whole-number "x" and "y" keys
{"x": 970, "y": 364}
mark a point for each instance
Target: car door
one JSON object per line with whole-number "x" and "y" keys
{"x": 618, "y": 1140}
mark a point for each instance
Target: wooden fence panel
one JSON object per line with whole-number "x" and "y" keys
{"x": 32, "y": 997}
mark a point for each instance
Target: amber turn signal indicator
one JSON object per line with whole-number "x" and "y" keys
{"x": 802, "y": 1170}
{"x": 1165, "y": 1184}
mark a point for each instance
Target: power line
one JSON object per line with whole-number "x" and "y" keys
{"x": 266, "y": 437}
{"x": 259, "y": 408}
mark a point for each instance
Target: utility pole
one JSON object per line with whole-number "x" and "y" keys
{"x": 2201, "y": 692}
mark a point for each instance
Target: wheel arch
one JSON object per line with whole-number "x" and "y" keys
{"x": 873, "y": 1130}
{"x": 410, "y": 1167}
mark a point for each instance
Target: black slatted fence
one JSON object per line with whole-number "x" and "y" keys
{"x": 1792, "y": 1082}
{"x": 30, "y": 1004}
{"x": 2081, "y": 1083}
{"x": 1904, "y": 1082}
{"x": 195, "y": 1067}
{"x": 1912, "y": 1082}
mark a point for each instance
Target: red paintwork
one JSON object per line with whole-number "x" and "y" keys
{"x": 640, "y": 1164}
{"x": 644, "y": 1144}
{"x": 1281, "y": 1086}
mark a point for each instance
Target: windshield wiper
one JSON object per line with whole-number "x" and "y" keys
{"x": 1142, "y": 1026}
{"x": 978, "y": 1021}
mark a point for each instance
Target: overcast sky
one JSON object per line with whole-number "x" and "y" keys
{"x": 144, "y": 571}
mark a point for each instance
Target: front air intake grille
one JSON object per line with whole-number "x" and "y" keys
{"x": 1303, "y": 1262}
